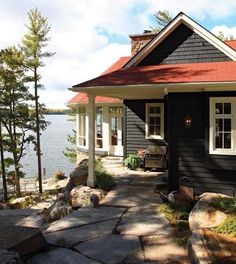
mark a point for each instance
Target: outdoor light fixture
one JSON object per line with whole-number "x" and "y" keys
{"x": 188, "y": 121}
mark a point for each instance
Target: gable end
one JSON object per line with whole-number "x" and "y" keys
{"x": 183, "y": 45}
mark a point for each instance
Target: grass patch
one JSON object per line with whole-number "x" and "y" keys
{"x": 178, "y": 217}
{"x": 227, "y": 227}
{"x": 228, "y": 206}
{"x": 225, "y": 204}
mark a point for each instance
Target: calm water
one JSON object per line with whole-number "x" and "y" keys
{"x": 53, "y": 142}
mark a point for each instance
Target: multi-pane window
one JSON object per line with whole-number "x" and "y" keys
{"x": 222, "y": 125}
{"x": 82, "y": 126}
{"x": 154, "y": 120}
{"x": 99, "y": 122}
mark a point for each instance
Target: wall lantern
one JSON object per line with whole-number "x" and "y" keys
{"x": 188, "y": 121}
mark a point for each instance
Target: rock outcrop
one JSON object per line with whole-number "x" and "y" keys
{"x": 204, "y": 215}
{"x": 82, "y": 196}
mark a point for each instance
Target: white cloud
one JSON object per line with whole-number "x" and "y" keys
{"x": 227, "y": 31}
{"x": 82, "y": 33}
{"x": 199, "y": 9}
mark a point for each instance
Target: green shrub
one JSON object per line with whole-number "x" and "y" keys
{"x": 225, "y": 204}
{"x": 227, "y": 227}
{"x": 104, "y": 180}
{"x": 59, "y": 175}
{"x": 133, "y": 161}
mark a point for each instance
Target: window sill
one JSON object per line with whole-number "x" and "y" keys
{"x": 223, "y": 152}
{"x": 154, "y": 137}
{"x": 98, "y": 151}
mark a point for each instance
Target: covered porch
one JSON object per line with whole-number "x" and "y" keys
{"x": 144, "y": 93}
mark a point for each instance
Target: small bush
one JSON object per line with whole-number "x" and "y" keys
{"x": 59, "y": 175}
{"x": 133, "y": 161}
{"x": 104, "y": 180}
{"x": 225, "y": 204}
{"x": 227, "y": 227}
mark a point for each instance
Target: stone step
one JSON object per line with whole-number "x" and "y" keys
{"x": 112, "y": 160}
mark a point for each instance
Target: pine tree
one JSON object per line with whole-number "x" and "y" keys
{"x": 162, "y": 18}
{"x": 17, "y": 119}
{"x": 34, "y": 43}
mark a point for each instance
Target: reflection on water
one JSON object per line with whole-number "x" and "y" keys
{"x": 53, "y": 142}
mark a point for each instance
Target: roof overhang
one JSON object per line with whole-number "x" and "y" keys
{"x": 179, "y": 19}
{"x": 150, "y": 91}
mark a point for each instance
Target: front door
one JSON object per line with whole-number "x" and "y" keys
{"x": 116, "y": 147}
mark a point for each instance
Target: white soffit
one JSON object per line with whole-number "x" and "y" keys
{"x": 181, "y": 18}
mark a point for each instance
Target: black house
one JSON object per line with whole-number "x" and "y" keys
{"x": 178, "y": 89}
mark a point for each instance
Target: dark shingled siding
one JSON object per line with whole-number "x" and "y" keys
{"x": 183, "y": 46}
{"x": 191, "y": 146}
{"x": 134, "y": 123}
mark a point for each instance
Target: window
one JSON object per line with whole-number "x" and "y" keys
{"x": 154, "y": 120}
{"x": 82, "y": 126}
{"x": 222, "y": 126}
{"x": 99, "y": 123}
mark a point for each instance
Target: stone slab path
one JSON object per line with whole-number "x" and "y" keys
{"x": 130, "y": 196}
{"x": 127, "y": 228}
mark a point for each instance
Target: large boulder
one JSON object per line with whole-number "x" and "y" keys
{"x": 204, "y": 215}
{"x": 82, "y": 196}
{"x": 78, "y": 177}
{"x": 80, "y": 174}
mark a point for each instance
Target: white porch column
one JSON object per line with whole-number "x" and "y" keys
{"x": 91, "y": 141}
{"x": 106, "y": 134}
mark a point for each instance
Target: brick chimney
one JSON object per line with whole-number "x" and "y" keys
{"x": 140, "y": 40}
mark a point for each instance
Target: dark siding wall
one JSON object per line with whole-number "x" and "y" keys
{"x": 184, "y": 46}
{"x": 190, "y": 157}
{"x": 134, "y": 124}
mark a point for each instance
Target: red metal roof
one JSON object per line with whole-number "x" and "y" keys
{"x": 82, "y": 98}
{"x": 172, "y": 73}
{"x": 231, "y": 43}
{"x": 117, "y": 65}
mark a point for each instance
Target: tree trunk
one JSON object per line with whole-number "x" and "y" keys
{"x": 38, "y": 131}
{"x": 4, "y": 182}
{"x": 17, "y": 182}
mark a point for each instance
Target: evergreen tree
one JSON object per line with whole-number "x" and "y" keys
{"x": 162, "y": 18}
{"x": 16, "y": 116}
{"x": 70, "y": 152}
{"x": 34, "y": 43}
{"x": 3, "y": 167}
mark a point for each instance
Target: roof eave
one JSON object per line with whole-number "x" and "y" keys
{"x": 126, "y": 91}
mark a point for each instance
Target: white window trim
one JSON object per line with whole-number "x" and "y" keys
{"x": 212, "y": 149}
{"x": 161, "y": 136}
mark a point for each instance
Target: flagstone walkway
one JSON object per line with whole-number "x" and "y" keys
{"x": 126, "y": 228}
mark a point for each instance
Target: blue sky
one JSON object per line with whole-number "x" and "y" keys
{"x": 89, "y": 35}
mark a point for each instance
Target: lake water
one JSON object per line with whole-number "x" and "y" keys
{"x": 53, "y": 142}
